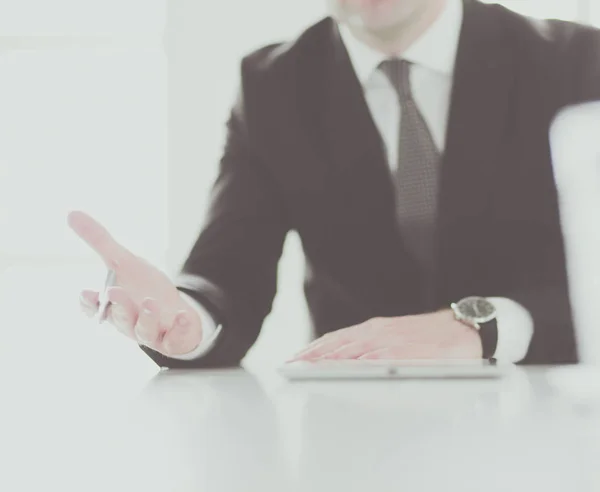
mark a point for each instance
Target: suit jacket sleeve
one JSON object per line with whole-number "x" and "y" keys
{"x": 232, "y": 268}
{"x": 584, "y": 53}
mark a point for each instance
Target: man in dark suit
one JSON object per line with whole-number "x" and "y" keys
{"x": 407, "y": 142}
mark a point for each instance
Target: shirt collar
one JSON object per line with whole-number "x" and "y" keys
{"x": 436, "y": 49}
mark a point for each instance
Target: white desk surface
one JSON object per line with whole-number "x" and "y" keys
{"x": 81, "y": 409}
{"x": 233, "y": 431}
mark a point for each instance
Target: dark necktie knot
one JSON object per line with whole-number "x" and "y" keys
{"x": 398, "y": 73}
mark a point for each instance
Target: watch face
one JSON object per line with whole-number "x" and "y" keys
{"x": 478, "y": 309}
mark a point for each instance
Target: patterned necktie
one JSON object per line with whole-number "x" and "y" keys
{"x": 416, "y": 175}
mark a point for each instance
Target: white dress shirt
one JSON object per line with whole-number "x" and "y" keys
{"x": 433, "y": 57}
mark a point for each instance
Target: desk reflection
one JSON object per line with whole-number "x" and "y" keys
{"x": 227, "y": 430}
{"x": 219, "y": 428}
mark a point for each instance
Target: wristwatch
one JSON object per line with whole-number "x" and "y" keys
{"x": 480, "y": 314}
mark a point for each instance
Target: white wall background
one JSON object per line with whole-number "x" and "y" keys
{"x": 118, "y": 107}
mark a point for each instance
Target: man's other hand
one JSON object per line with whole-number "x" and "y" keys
{"x": 427, "y": 336}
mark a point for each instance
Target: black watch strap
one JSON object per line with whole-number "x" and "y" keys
{"x": 488, "y": 332}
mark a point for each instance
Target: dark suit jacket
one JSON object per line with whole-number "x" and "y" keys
{"x": 304, "y": 154}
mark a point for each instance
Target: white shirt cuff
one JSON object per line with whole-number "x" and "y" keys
{"x": 210, "y": 331}
{"x": 515, "y": 330}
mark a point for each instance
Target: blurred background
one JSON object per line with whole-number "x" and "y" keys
{"x": 117, "y": 107}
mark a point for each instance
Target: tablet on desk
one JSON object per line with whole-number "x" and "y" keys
{"x": 395, "y": 369}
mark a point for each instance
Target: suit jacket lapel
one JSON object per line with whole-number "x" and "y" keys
{"x": 334, "y": 113}
{"x": 356, "y": 170}
{"x": 355, "y": 147}
{"x": 483, "y": 80}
